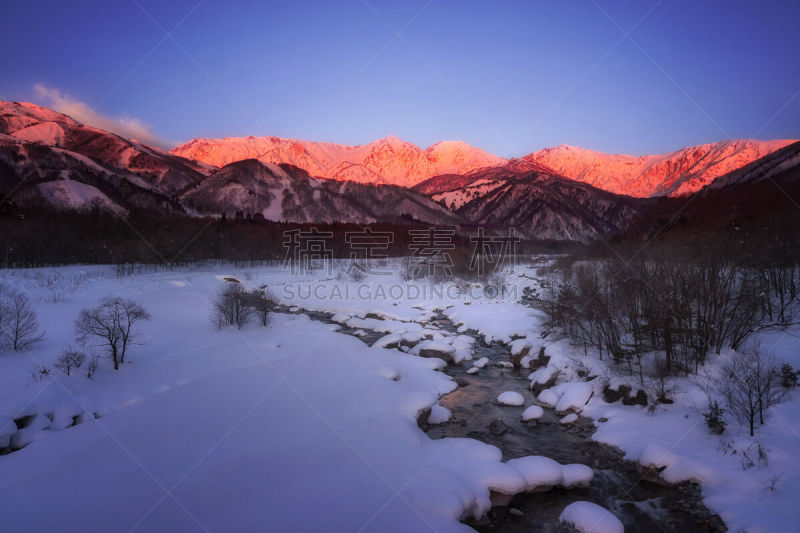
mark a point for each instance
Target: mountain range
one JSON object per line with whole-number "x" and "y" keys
{"x": 561, "y": 193}
{"x": 385, "y": 161}
{"x": 393, "y": 161}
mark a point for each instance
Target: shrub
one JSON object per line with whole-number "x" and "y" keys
{"x": 789, "y": 376}
{"x": 229, "y": 307}
{"x": 69, "y": 360}
{"x": 714, "y": 418}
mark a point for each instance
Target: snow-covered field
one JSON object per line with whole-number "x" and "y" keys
{"x": 295, "y": 427}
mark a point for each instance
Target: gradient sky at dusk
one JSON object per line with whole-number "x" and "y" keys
{"x": 509, "y": 77}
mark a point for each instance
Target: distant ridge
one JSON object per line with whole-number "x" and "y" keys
{"x": 393, "y": 161}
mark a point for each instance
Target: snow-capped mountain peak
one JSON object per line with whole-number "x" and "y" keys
{"x": 672, "y": 174}
{"x": 389, "y": 160}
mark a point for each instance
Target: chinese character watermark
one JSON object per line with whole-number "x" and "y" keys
{"x": 307, "y": 251}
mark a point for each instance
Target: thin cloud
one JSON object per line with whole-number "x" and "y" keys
{"x": 130, "y": 128}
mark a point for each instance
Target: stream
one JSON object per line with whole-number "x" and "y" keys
{"x": 641, "y": 505}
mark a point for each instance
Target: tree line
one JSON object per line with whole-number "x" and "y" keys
{"x": 684, "y": 302}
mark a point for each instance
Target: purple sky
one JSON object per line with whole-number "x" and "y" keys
{"x": 509, "y": 77}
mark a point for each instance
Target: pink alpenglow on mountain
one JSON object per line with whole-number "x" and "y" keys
{"x": 393, "y": 161}
{"x": 674, "y": 174}
{"x": 386, "y": 161}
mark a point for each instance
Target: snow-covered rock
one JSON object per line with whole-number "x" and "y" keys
{"x": 520, "y": 347}
{"x": 542, "y": 375}
{"x": 540, "y": 473}
{"x": 34, "y": 430}
{"x": 576, "y": 475}
{"x": 480, "y": 363}
{"x": 511, "y": 398}
{"x": 439, "y": 414}
{"x": 574, "y": 396}
{"x": 534, "y": 412}
{"x": 569, "y": 419}
{"x": 436, "y": 349}
{"x": 589, "y": 517}
{"x": 548, "y": 398}
{"x": 63, "y": 417}
{"x": 392, "y": 340}
{"x": 340, "y": 318}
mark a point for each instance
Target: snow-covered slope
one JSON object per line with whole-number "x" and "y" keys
{"x": 34, "y": 124}
{"x": 674, "y": 174}
{"x": 773, "y": 166}
{"x": 47, "y": 158}
{"x": 543, "y": 206}
{"x": 385, "y": 161}
{"x": 535, "y": 200}
{"x": 70, "y": 194}
{"x": 35, "y": 174}
{"x": 284, "y": 192}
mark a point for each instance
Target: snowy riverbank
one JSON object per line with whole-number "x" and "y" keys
{"x": 244, "y": 428}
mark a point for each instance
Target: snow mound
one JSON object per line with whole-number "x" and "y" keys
{"x": 673, "y": 467}
{"x": 542, "y": 375}
{"x": 435, "y": 346}
{"x": 511, "y": 398}
{"x": 480, "y": 363}
{"x": 389, "y": 372}
{"x": 388, "y": 340}
{"x": 7, "y": 427}
{"x": 569, "y": 419}
{"x": 63, "y": 417}
{"x": 576, "y": 475}
{"x": 33, "y": 431}
{"x": 473, "y": 370}
{"x": 574, "y": 396}
{"x": 340, "y": 318}
{"x": 588, "y": 517}
{"x": 439, "y": 414}
{"x": 540, "y": 473}
{"x": 656, "y": 455}
{"x": 534, "y": 412}
{"x": 520, "y": 346}
{"x": 548, "y": 398}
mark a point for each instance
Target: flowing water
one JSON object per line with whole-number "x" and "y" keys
{"x": 640, "y": 504}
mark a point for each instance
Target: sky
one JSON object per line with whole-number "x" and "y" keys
{"x": 643, "y": 76}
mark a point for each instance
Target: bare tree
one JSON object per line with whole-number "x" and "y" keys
{"x": 229, "y": 307}
{"x": 111, "y": 325}
{"x": 19, "y": 327}
{"x": 265, "y": 302}
{"x": 69, "y": 360}
{"x": 751, "y": 386}
{"x": 5, "y": 320}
